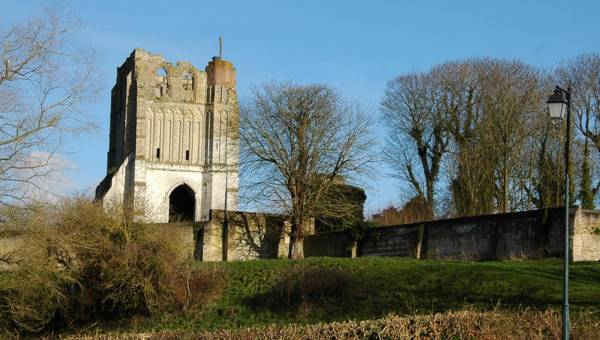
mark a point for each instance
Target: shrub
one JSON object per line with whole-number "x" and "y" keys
{"x": 414, "y": 210}
{"x": 199, "y": 285}
{"x": 81, "y": 263}
{"x": 31, "y": 298}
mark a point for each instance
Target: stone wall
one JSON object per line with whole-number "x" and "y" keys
{"x": 390, "y": 241}
{"x": 529, "y": 234}
{"x": 503, "y": 236}
{"x": 586, "y": 236}
{"x": 243, "y": 236}
{"x": 336, "y": 244}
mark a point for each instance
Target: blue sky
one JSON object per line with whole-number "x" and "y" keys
{"x": 354, "y": 46}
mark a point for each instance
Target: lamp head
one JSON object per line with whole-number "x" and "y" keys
{"x": 557, "y": 104}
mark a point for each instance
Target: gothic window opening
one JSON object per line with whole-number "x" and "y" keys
{"x": 161, "y": 73}
{"x": 187, "y": 155}
{"x": 188, "y": 81}
{"x": 188, "y": 86}
{"x": 182, "y": 204}
{"x": 157, "y": 153}
{"x": 162, "y": 84}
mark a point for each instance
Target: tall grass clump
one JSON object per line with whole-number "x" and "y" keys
{"x": 79, "y": 263}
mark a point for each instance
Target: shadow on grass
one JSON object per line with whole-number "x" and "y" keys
{"x": 325, "y": 290}
{"x": 308, "y": 290}
{"x": 327, "y": 293}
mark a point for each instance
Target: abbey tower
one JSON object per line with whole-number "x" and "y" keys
{"x": 173, "y": 146}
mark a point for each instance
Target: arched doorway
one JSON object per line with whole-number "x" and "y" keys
{"x": 182, "y": 204}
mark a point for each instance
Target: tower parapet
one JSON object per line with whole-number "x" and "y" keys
{"x": 220, "y": 73}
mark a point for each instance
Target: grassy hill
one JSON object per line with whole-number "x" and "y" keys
{"x": 331, "y": 289}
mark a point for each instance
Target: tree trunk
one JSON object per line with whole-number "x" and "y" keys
{"x": 505, "y": 186}
{"x": 297, "y": 239}
{"x": 587, "y": 193}
{"x": 297, "y": 248}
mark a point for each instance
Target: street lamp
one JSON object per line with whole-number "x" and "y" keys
{"x": 559, "y": 106}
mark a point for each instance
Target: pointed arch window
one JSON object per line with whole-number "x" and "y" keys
{"x": 188, "y": 81}
{"x": 162, "y": 84}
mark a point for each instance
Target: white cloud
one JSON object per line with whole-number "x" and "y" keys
{"x": 44, "y": 177}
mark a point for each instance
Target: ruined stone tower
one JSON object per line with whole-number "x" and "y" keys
{"x": 173, "y": 148}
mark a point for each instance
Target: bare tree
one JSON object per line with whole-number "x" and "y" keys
{"x": 467, "y": 170}
{"x": 417, "y": 135}
{"x": 479, "y": 128}
{"x": 491, "y": 107}
{"x": 297, "y": 142}
{"x": 541, "y": 171}
{"x": 512, "y": 98}
{"x": 44, "y": 80}
{"x": 583, "y": 73}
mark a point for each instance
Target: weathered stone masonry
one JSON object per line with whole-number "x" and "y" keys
{"x": 240, "y": 236}
{"x": 171, "y": 145}
{"x": 528, "y": 234}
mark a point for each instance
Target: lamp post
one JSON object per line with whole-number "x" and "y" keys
{"x": 559, "y": 106}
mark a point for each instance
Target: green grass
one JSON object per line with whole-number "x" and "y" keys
{"x": 383, "y": 285}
